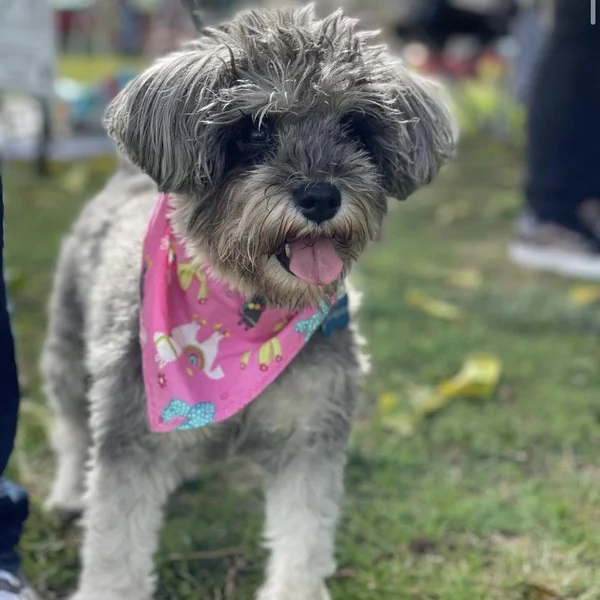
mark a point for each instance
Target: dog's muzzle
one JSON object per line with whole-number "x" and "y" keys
{"x": 318, "y": 202}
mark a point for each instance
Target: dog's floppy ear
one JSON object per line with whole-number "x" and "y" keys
{"x": 161, "y": 120}
{"x": 415, "y": 136}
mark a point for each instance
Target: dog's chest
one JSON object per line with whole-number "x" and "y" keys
{"x": 316, "y": 389}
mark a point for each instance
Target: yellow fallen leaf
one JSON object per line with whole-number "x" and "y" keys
{"x": 478, "y": 378}
{"x": 387, "y": 403}
{"x": 465, "y": 278}
{"x": 432, "y": 306}
{"x": 425, "y": 400}
{"x": 584, "y": 295}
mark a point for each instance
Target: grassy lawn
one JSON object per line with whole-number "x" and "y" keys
{"x": 495, "y": 498}
{"x": 91, "y": 68}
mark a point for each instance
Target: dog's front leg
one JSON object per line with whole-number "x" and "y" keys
{"x": 303, "y": 497}
{"x": 122, "y": 518}
{"x": 132, "y": 474}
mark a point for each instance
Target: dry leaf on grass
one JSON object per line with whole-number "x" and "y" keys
{"x": 470, "y": 279}
{"x": 584, "y": 295}
{"x": 478, "y": 378}
{"x": 534, "y": 591}
{"x": 432, "y": 306}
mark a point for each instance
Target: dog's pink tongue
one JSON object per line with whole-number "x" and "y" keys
{"x": 315, "y": 261}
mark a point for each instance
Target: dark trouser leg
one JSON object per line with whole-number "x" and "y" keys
{"x": 13, "y": 500}
{"x": 564, "y": 118}
{"x": 14, "y": 509}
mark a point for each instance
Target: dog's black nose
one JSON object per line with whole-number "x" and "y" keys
{"x": 318, "y": 202}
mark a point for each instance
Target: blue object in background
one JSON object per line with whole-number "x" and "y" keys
{"x": 87, "y": 103}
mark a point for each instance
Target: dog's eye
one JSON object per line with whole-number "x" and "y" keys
{"x": 259, "y": 135}
{"x": 254, "y": 136}
{"x": 356, "y": 127}
{"x": 249, "y": 141}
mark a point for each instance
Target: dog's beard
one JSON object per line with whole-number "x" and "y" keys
{"x": 256, "y": 240}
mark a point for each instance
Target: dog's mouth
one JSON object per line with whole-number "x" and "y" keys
{"x": 313, "y": 260}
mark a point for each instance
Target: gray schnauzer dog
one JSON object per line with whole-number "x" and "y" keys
{"x": 277, "y": 126}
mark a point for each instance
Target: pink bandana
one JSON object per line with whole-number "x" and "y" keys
{"x": 207, "y": 352}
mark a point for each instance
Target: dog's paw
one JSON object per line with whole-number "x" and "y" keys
{"x": 294, "y": 590}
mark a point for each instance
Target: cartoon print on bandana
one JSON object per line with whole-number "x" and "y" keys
{"x": 309, "y": 325}
{"x": 183, "y": 343}
{"x": 270, "y": 351}
{"x": 187, "y": 272}
{"x": 197, "y": 415}
{"x": 251, "y": 312}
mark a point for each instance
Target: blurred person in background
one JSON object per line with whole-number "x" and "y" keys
{"x": 560, "y": 230}
{"x": 135, "y": 17}
{"x": 73, "y": 20}
{"x": 14, "y": 506}
{"x": 530, "y": 31}
{"x": 27, "y": 55}
{"x": 439, "y": 23}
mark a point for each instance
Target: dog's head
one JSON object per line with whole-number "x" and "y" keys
{"x": 279, "y": 136}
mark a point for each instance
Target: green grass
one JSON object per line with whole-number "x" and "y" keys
{"x": 491, "y": 499}
{"x": 91, "y": 68}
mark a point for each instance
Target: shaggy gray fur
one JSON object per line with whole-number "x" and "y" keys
{"x": 335, "y": 110}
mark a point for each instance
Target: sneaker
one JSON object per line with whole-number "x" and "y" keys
{"x": 557, "y": 248}
{"x": 15, "y": 587}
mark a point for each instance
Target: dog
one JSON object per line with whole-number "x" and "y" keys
{"x": 273, "y": 142}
